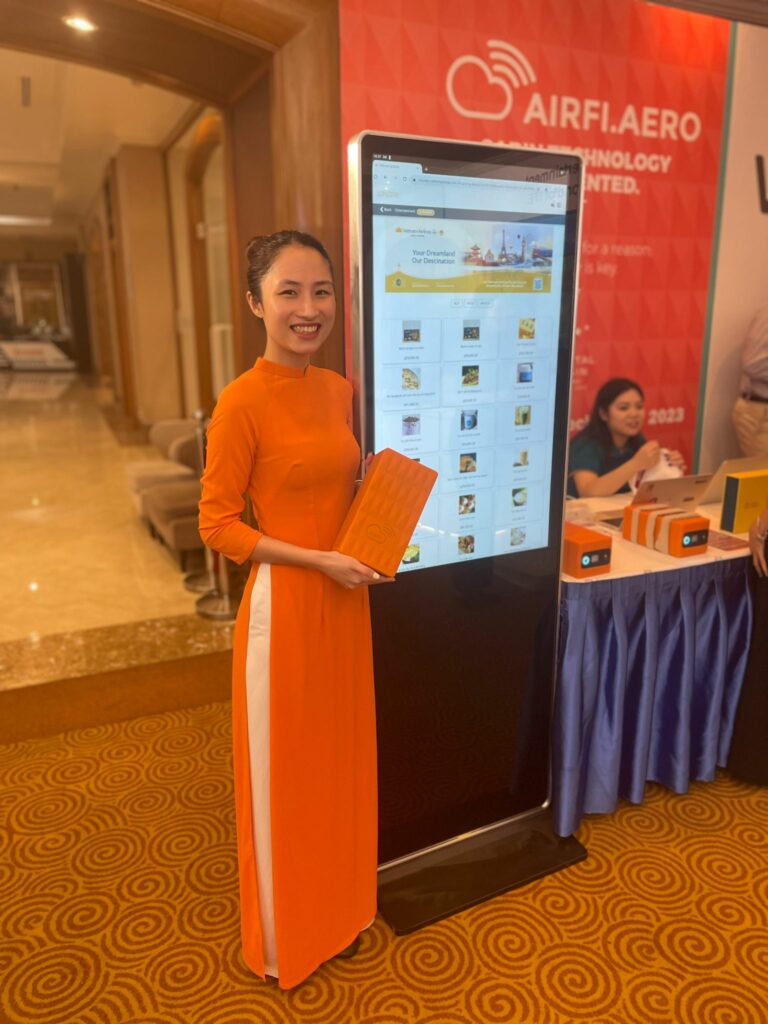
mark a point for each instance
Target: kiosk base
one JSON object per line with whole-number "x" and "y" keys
{"x": 434, "y": 884}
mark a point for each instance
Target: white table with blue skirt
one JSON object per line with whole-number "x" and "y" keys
{"x": 651, "y": 663}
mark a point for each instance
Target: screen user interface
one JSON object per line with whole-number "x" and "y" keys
{"x": 467, "y": 293}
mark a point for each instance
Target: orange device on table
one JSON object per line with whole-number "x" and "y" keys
{"x": 682, "y": 535}
{"x": 669, "y": 530}
{"x": 636, "y": 520}
{"x": 386, "y": 509}
{"x": 585, "y": 552}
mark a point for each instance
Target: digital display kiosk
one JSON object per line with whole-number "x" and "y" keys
{"x": 464, "y": 260}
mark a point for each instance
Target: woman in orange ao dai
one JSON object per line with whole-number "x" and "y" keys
{"x": 303, "y": 707}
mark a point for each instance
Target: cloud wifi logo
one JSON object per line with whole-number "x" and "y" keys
{"x": 506, "y": 69}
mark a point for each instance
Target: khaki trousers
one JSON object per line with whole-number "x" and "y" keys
{"x": 751, "y": 422}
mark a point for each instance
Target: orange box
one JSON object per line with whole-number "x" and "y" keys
{"x": 636, "y": 519}
{"x": 682, "y": 535}
{"x": 669, "y": 530}
{"x": 585, "y": 552}
{"x": 381, "y": 520}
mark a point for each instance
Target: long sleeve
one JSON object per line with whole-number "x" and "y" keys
{"x": 232, "y": 445}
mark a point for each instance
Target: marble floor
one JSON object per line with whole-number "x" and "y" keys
{"x": 76, "y": 556}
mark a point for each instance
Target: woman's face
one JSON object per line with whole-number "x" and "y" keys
{"x": 297, "y": 305}
{"x": 624, "y": 416}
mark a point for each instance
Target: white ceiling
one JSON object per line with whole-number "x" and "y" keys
{"x": 53, "y": 152}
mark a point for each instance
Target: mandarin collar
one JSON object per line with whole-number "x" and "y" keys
{"x": 279, "y": 370}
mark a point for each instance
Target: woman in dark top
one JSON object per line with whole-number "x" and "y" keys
{"x": 611, "y": 449}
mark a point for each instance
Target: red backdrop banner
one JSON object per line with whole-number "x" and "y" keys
{"x": 639, "y": 91}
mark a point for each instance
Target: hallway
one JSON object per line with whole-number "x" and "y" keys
{"x": 84, "y": 586}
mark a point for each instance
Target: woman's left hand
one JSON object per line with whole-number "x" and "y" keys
{"x": 757, "y": 547}
{"x": 676, "y": 459}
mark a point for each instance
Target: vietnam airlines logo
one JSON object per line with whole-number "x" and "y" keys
{"x": 505, "y": 70}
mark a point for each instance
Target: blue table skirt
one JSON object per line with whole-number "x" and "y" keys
{"x": 650, "y": 673}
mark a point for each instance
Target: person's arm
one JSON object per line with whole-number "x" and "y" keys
{"x": 675, "y": 458}
{"x": 342, "y": 569}
{"x": 594, "y": 485}
{"x": 231, "y": 449}
{"x": 758, "y": 532}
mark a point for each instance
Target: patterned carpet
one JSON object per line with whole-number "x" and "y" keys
{"x": 118, "y": 905}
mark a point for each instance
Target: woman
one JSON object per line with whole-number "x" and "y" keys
{"x": 303, "y": 712}
{"x": 748, "y": 760}
{"x": 611, "y": 449}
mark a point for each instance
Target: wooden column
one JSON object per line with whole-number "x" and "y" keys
{"x": 306, "y": 149}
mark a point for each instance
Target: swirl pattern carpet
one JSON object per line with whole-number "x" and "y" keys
{"x": 118, "y": 905}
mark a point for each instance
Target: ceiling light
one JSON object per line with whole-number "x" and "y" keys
{"x": 12, "y": 221}
{"x": 79, "y": 24}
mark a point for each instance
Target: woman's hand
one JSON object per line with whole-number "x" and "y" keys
{"x": 647, "y": 456}
{"x": 676, "y": 459}
{"x": 757, "y": 545}
{"x": 348, "y": 572}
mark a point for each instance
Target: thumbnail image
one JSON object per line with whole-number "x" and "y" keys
{"x": 468, "y": 462}
{"x": 469, "y": 419}
{"x": 412, "y": 554}
{"x": 525, "y": 373}
{"x": 411, "y": 379}
{"x": 516, "y": 536}
{"x": 510, "y": 247}
{"x": 519, "y": 496}
{"x": 411, "y": 426}
{"x": 467, "y": 544}
{"x": 467, "y": 504}
{"x": 471, "y": 331}
{"x": 522, "y": 415}
{"x": 411, "y": 330}
{"x": 470, "y": 376}
{"x": 526, "y": 328}
{"x": 521, "y": 459}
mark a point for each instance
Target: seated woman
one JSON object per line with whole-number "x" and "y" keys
{"x": 611, "y": 449}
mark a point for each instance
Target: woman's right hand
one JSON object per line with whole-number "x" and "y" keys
{"x": 647, "y": 456}
{"x": 348, "y": 572}
{"x": 757, "y": 546}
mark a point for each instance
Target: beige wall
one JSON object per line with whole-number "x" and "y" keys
{"x": 144, "y": 234}
{"x": 741, "y": 285}
{"x": 48, "y": 250}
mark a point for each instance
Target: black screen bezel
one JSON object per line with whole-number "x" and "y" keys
{"x": 466, "y": 158}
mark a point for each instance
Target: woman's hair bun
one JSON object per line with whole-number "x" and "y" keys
{"x": 262, "y": 251}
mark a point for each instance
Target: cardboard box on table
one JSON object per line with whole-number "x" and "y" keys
{"x": 744, "y": 498}
{"x": 386, "y": 509}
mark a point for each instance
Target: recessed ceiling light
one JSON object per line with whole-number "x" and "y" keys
{"x": 9, "y": 220}
{"x": 79, "y": 24}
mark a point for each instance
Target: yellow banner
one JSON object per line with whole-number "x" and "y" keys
{"x": 487, "y": 281}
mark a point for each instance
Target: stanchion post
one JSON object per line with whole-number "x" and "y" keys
{"x": 203, "y": 582}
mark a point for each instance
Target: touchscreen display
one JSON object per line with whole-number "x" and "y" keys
{"x": 466, "y": 297}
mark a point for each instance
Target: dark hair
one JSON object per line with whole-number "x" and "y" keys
{"x": 262, "y": 251}
{"x": 605, "y": 397}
